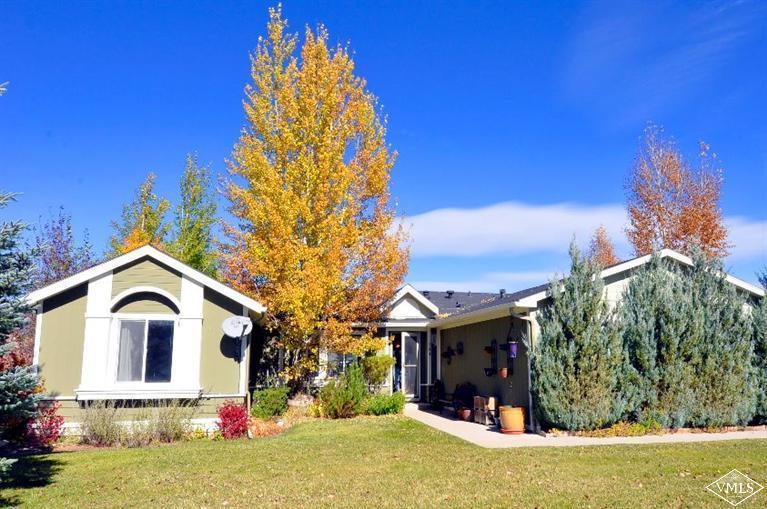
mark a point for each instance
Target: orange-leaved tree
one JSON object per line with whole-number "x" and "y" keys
{"x": 601, "y": 249}
{"x": 315, "y": 238}
{"x": 672, "y": 205}
{"x": 142, "y": 221}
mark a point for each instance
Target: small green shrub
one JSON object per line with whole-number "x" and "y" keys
{"x": 99, "y": 426}
{"x": 344, "y": 397}
{"x": 383, "y": 404}
{"x": 376, "y": 368}
{"x": 269, "y": 402}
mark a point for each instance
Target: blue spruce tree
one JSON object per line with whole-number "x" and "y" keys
{"x": 18, "y": 399}
{"x": 655, "y": 312}
{"x": 578, "y": 369}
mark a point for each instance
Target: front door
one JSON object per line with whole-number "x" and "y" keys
{"x": 410, "y": 382}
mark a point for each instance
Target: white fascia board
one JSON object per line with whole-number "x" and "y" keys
{"x": 409, "y": 289}
{"x": 415, "y": 322}
{"x": 686, "y": 260}
{"x": 151, "y": 252}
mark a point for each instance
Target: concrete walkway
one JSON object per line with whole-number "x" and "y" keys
{"x": 486, "y": 436}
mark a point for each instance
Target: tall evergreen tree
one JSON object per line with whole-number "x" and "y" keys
{"x": 725, "y": 383}
{"x": 688, "y": 342}
{"x": 192, "y": 230}
{"x": 760, "y": 357}
{"x": 18, "y": 398}
{"x": 654, "y": 312}
{"x": 142, "y": 221}
{"x": 58, "y": 255}
{"x": 577, "y": 364}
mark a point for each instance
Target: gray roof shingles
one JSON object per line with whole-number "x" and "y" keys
{"x": 455, "y": 303}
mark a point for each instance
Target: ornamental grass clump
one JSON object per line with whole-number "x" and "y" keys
{"x": 100, "y": 426}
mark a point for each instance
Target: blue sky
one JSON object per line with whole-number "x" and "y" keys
{"x": 516, "y": 123}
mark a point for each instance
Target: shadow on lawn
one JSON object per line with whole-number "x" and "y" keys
{"x": 27, "y": 472}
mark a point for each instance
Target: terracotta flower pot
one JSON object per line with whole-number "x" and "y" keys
{"x": 503, "y": 372}
{"x": 464, "y": 414}
{"x": 512, "y": 420}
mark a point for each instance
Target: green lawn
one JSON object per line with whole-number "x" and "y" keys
{"x": 382, "y": 462}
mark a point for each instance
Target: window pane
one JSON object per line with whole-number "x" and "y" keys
{"x": 159, "y": 351}
{"x": 335, "y": 364}
{"x": 131, "y": 354}
{"x": 411, "y": 348}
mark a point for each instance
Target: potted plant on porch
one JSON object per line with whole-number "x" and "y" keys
{"x": 463, "y": 399}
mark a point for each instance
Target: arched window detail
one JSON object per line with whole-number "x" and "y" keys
{"x": 144, "y": 299}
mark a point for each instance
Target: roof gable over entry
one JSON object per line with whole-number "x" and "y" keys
{"x": 134, "y": 257}
{"x": 408, "y": 303}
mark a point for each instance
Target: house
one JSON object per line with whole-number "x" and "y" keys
{"x": 138, "y": 328}
{"x": 145, "y": 327}
{"x": 468, "y": 337}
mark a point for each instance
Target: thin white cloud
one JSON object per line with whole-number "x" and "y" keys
{"x": 748, "y": 238}
{"x": 653, "y": 56}
{"x": 511, "y": 228}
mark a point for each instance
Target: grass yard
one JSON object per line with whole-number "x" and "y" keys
{"x": 382, "y": 462}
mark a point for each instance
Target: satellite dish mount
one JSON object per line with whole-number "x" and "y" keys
{"x": 237, "y": 327}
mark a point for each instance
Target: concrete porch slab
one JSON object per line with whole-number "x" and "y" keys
{"x": 489, "y": 437}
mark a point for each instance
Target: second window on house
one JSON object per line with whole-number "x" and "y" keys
{"x": 146, "y": 351}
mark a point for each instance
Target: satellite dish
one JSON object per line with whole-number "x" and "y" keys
{"x": 237, "y": 326}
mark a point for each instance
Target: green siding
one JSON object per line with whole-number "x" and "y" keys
{"x": 62, "y": 332}
{"x": 219, "y": 369}
{"x": 469, "y": 367}
{"x": 146, "y": 272}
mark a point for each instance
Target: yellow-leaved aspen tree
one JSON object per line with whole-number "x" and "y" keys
{"x": 315, "y": 237}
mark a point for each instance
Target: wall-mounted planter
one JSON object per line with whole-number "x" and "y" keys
{"x": 490, "y": 371}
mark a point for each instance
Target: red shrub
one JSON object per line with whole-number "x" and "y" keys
{"x": 47, "y": 426}
{"x": 233, "y": 420}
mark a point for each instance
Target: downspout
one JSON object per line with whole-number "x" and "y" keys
{"x": 528, "y": 321}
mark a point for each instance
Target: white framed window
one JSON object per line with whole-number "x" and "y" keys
{"x": 145, "y": 350}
